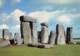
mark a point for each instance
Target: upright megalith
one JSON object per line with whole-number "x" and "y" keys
{"x": 34, "y": 34}
{"x": 52, "y": 38}
{"x": 44, "y": 33}
{"x": 60, "y": 34}
{"x": 18, "y": 39}
{"x": 5, "y": 34}
{"x": 68, "y": 34}
{"x": 10, "y": 36}
{"x": 11, "y": 39}
{"x": 43, "y": 37}
{"x": 28, "y": 30}
{"x": 57, "y": 33}
{"x": 39, "y": 36}
{"x": 7, "y": 37}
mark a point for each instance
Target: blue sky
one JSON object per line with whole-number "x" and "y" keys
{"x": 66, "y": 12}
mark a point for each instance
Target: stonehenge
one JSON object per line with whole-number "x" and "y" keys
{"x": 42, "y": 39}
{"x": 28, "y": 30}
{"x": 44, "y": 36}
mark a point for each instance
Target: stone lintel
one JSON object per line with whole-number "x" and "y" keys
{"x": 27, "y": 19}
{"x": 44, "y": 24}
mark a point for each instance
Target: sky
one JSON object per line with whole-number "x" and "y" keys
{"x": 52, "y": 12}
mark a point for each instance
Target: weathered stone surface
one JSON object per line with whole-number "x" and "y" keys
{"x": 18, "y": 39}
{"x": 39, "y": 36}
{"x": 52, "y": 38}
{"x": 61, "y": 35}
{"x": 26, "y": 32}
{"x": 34, "y": 34}
{"x": 11, "y": 39}
{"x": 44, "y": 33}
{"x": 68, "y": 34}
{"x": 10, "y": 36}
{"x": 27, "y": 19}
{"x": 5, "y": 34}
{"x": 57, "y": 33}
{"x": 48, "y": 46}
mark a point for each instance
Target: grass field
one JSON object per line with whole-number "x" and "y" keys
{"x": 64, "y": 50}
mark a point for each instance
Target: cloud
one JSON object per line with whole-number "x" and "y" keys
{"x": 64, "y": 19}
{"x": 59, "y": 1}
{"x": 15, "y": 28}
{"x": 62, "y": 16}
{"x": 16, "y": 1}
{"x": 48, "y": 8}
{"x": 11, "y": 18}
{"x": 4, "y": 17}
{"x": 45, "y": 16}
{"x": 16, "y": 14}
{"x": 59, "y": 16}
{"x": 42, "y": 16}
{"x": 4, "y": 26}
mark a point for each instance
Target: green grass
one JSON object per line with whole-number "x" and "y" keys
{"x": 64, "y": 50}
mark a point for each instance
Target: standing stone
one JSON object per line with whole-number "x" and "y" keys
{"x": 18, "y": 38}
{"x": 5, "y": 34}
{"x": 34, "y": 34}
{"x": 60, "y": 35}
{"x": 11, "y": 39}
{"x": 68, "y": 34}
{"x": 28, "y": 30}
{"x": 39, "y": 36}
{"x": 44, "y": 33}
{"x": 57, "y": 33}
{"x": 10, "y": 36}
{"x": 44, "y": 40}
{"x": 52, "y": 38}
